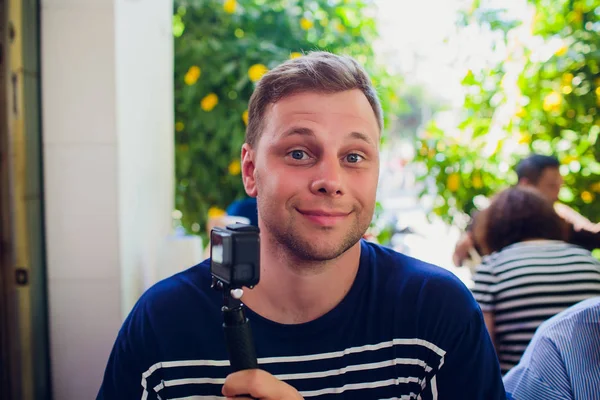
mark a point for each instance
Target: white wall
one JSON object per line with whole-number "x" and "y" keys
{"x": 107, "y": 118}
{"x": 144, "y": 77}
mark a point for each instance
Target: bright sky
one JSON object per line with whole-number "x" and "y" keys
{"x": 421, "y": 39}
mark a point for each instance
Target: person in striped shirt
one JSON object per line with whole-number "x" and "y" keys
{"x": 540, "y": 172}
{"x": 531, "y": 273}
{"x": 562, "y": 362}
{"x": 333, "y": 316}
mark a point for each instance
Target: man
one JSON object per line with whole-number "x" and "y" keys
{"x": 562, "y": 360}
{"x": 332, "y": 316}
{"x": 540, "y": 172}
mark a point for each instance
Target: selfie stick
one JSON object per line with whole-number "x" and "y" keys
{"x": 235, "y": 263}
{"x": 238, "y": 335}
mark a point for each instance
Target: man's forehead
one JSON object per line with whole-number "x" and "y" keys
{"x": 550, "y": 171}
{"x": 316, "y": 106}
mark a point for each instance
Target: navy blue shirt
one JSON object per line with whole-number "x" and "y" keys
{"x": 406, "y": 329}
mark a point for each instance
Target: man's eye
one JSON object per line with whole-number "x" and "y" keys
{"x": 298, "y": 154}
{"x": 354, "y": 158}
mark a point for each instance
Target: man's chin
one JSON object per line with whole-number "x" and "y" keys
{"x": 318, "y": 249}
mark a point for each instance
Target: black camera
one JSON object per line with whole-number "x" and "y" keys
{"x": 235, "y": 255}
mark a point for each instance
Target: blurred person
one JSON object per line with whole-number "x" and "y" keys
{"x": 542, "y": 173}
{"x": 531, "y": 273}
{"x": 562, "y": 362}
{"x": 333, "y": 315}
{"x": 246, "y": 208}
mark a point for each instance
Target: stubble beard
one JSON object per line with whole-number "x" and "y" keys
{"x": 300, "y": 247}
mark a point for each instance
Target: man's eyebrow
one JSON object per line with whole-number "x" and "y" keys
{"x": 298, "y": 131}
{"x": 361, "y": 136}
{"x": 301, "y": 131}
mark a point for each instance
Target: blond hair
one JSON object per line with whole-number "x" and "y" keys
{"x": 320, "y": 72}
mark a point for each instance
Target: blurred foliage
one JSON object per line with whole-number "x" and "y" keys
{"x": 544, "y": 97}
{"x": 221, "y": 49}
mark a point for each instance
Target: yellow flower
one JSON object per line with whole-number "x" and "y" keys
{"x": 567, "y": 89}
{"x": 562, "y": 51}
{"x": 229, "y": 6}
{"x": 306, "y": 24}
{"x": 477, "y": 182}
{"x": 340, "y": 27}
{"x": 567, "y": 78}
{"x": 256, "y": 72}
{"x": 216, "y": 212}
{"x": 192, "y": 75}
{"x": 521, "y": 112}
{"x": 295, "y": 54}
{"x": 569, "y": 159}
{"x": 595, "y": 187}
{"x": 235, "y": 167}
{"x": 552, "y": 102}
{"x": 453, "y": 182}
{"x": 587, "y": 197}
{"x": 524, "y": 138}
{"x": 245, "y": 117}
{"x": 179, "y": 126}
{"x": 209, "y": 102}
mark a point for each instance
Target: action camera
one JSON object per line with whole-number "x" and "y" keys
{"x": 235, "y": 255}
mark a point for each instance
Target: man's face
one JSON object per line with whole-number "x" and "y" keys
{"x": 549, "y": 183}
{"x": 314, "y": 172}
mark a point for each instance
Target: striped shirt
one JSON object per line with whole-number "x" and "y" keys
{"x": 405, "y": 330}
{"x": 562, "y": 362}
{"x": 526, "y": 283}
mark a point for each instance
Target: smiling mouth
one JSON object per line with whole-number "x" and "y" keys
{"x": 324, "y": 218}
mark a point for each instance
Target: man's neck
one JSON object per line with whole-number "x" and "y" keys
{"x": 291, "y": 292}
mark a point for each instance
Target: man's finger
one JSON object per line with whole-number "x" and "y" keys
{"x": 257, "y": 384}
{"x": 247, "y": 382}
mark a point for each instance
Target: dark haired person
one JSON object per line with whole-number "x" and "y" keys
{"x": 531, "y": 274}
{"x": 333, "y": 316}
{"x": 540, "y": 172}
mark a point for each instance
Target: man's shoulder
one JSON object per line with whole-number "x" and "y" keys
{"x": 577, "y": 317}
{"x": 428, "y": 285}
{"x": 179, "y": 289}
{"x": 404, "y": 267}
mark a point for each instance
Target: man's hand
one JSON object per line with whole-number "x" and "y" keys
{"x": 462, "y": 249}
{"x": 257, "y": 384}
{"x": 578, "y": 221}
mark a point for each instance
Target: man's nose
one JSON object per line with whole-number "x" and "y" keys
{"x": 328, "y": 179}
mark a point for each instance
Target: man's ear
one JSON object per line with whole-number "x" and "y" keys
{"x": 248, "y": 170}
